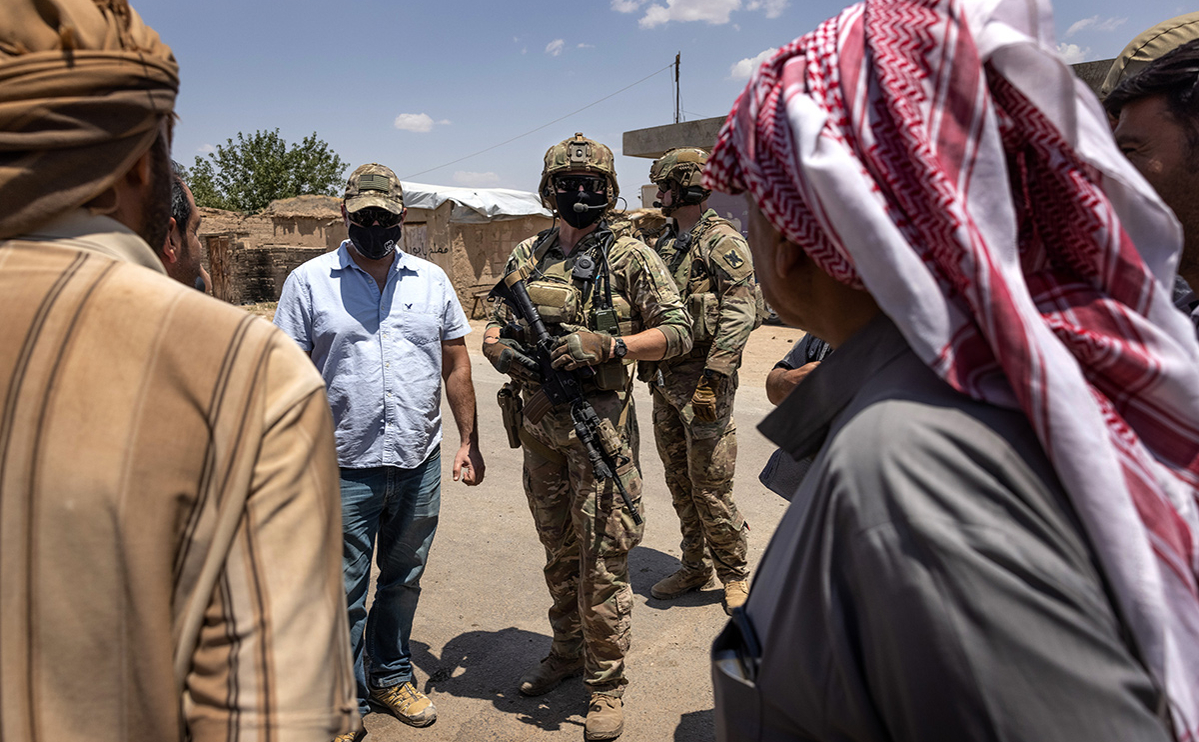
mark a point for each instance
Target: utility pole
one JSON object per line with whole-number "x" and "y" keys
{"x": 678, "y": 101}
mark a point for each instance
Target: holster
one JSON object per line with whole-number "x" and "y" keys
{"x": 511, "y": 408}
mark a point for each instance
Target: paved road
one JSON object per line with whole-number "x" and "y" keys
{"x": 482, "y": 621}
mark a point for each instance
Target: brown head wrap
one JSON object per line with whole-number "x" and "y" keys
{"x": 84, "y": 85}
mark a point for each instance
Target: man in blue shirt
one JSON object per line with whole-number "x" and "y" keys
{"x": 385, "y": 328}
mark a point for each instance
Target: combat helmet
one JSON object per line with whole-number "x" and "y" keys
{"x": 578, "y": 154}
{"x": 683, "y": 169}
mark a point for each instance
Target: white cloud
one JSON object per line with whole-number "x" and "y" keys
{"x": 1080, "y": 25}
{"x": 445, "y": 122}
{"x": 746, "y": 67}
{"x": 715, "y": 12}
{"x": 773, "y": 8}
{"x": 1105, "y": 25}
{"x": 418, "y": 122}
{"x": 469, "y": 179}
{"x": 1072, "y": 53}
{"x": 554, "y": 48}
{"x": 205, "y": 149}
{"x": 586, "y": 46}
{"x": 626, "y": 6}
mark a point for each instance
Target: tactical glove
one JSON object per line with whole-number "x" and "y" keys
{"x": 703, "y": 401}
{"x": 581, "y": 348}
{"x": 509, "y": 357}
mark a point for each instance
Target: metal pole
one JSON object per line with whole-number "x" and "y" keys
{"x": 677, "y": 100}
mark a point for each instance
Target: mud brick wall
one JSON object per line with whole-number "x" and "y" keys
{"x": 260, "y": 272}
{"x": 250, "y": 256}
{"x": 243, "y": 274}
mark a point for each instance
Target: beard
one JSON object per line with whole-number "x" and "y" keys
{"x": 157, "y": 213}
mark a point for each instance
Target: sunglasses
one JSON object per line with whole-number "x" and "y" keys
{"x": 590, "y": 183}
{"x": 371, "y": 214}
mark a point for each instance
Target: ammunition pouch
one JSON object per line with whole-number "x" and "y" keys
{"x": 704, "y": 308}
{"x": 557, "y": 303}
{"x": 512, "y": 411}
{"x": 610, "y": 376}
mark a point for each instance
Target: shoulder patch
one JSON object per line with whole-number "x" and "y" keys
{"x": 732, "y": 257}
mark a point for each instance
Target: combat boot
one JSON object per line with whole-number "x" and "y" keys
{"x": 735, "y": 595}
{"x": 682, "y": 581}
{"x": 549, "y": 673}
{"x": 605, "y": 718}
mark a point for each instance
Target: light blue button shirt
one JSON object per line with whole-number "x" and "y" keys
{"x": 378, "y": 351}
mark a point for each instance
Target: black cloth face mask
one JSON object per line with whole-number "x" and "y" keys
{"x": 375, "y": 242}
{"x": 580, "y": 209}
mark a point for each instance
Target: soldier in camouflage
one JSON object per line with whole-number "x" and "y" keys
{"x": 611, "y": 301}
{"x": 693, "y": 393}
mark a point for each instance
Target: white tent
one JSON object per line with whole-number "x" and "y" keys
{"x": 475, "y": 205}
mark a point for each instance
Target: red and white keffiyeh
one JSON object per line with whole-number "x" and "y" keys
{"x": 939, "y": 154}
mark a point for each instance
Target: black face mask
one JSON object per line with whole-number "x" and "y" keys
{"x": 375, "y": 242}
{"x": 594, "y": 204}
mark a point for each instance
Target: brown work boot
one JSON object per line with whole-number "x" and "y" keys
{"x": 682, "y": 581}
{"x": 549, "y": 673}
{"x": 351, "y": 736}
{"x": 406, "y": 703}
{"x": 605, "y": 717}
{"x": 735, "y": 595}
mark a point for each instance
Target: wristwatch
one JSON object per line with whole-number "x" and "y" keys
{"x": 621, "y": 349}
{"x": 713, "y": 375}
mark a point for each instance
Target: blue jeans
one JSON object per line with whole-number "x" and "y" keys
{"x": 398, "y": 508}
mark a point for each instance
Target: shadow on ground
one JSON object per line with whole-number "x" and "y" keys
{"x": 647, "y": 566}
{"x": 488, "y": 665}
{"x": 696, "y": 726}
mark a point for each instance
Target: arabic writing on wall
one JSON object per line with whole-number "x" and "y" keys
{"x": 416, "y": 242}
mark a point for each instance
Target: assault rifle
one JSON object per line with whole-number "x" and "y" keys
{"x": 561, "y": 387}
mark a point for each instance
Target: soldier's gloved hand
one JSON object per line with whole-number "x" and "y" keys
{"x": 581, "y": 348}
{"x": 509, "y": 357}
{"x": 703, "y": 401}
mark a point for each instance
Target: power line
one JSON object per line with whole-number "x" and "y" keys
{"x": 539, "y": 128}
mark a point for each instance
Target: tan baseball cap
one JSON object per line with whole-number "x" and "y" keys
{"x": 1148, "y": 46}
{"x": 374, "y": 185}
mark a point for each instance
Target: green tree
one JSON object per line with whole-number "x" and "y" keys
{"x": 248, "y": 174}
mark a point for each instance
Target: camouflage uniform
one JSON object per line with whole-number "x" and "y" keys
{"x": 585, "y": 529}
{"x": 715, "y": 273}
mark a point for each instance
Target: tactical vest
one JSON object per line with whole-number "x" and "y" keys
{"x": 693, "y": 274}
{"x": 565, "y": 295}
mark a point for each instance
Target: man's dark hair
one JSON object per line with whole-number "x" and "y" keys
{"x": 1174, "y": 75}
{"x": 181, "y": 210}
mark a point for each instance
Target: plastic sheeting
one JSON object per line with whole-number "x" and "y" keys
{"x": 474, "y": 205}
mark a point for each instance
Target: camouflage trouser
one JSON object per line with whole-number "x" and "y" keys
{"x": 702, "y": 490}
{"x": 587, "y": 534}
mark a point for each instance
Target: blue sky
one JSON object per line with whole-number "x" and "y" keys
{"x": 417, "y": 86}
